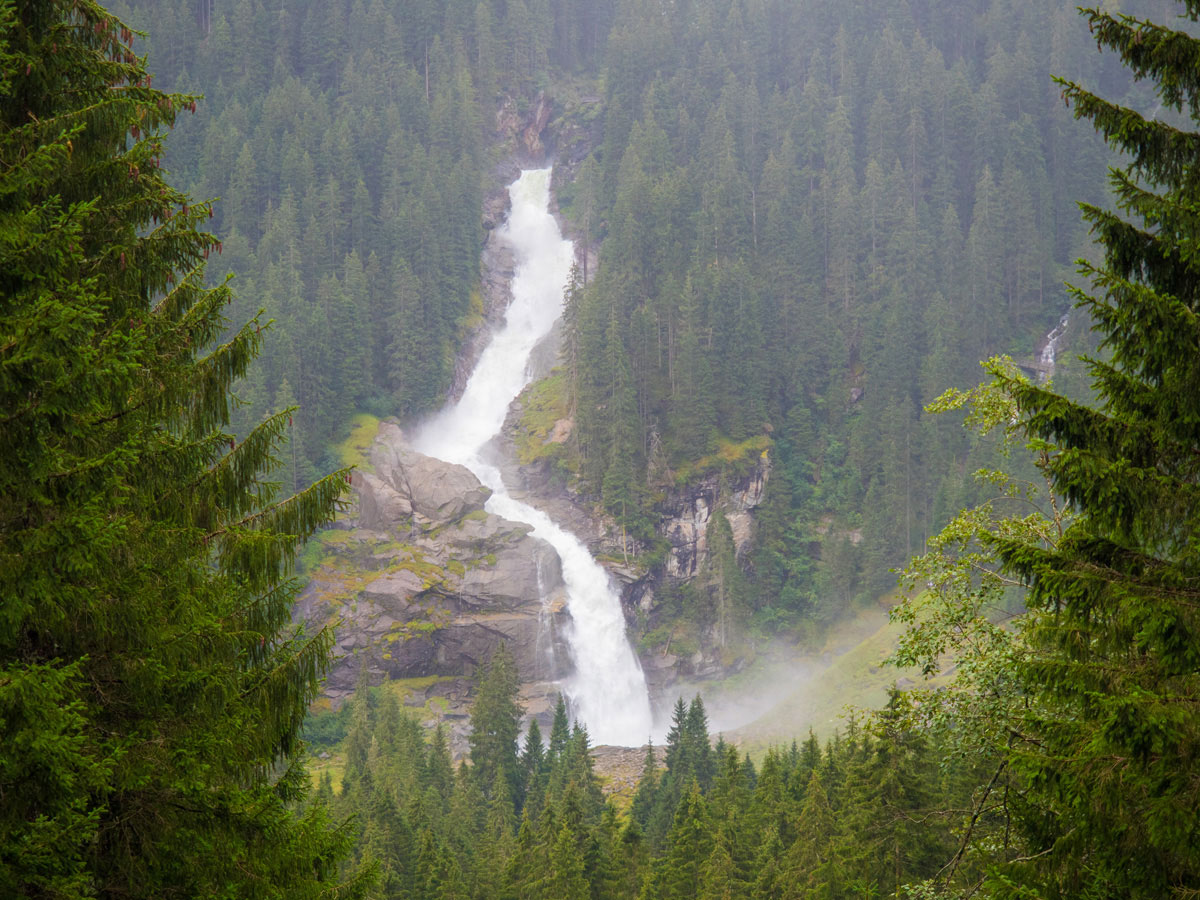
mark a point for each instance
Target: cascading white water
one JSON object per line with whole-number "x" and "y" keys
{"x": 607, "y": 689}
{"x": 1050, "y": 351}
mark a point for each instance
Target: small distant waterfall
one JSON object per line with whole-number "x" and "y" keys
{"x": 607, "y": 689}
{"x": 1050, "y": 351}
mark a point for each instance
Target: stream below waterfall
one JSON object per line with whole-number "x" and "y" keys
{"x": 606, "y": 689}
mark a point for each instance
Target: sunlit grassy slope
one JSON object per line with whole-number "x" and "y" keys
{"x": 816, "y": 691}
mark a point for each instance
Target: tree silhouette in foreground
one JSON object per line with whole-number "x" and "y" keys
{"x": 1110, "y": 747}
{"x": 151, "y": 684}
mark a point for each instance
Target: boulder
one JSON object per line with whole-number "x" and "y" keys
{"x": 380, "y": 506}
{"x": 440, "y": 492}
{"x": 437, "y": 492}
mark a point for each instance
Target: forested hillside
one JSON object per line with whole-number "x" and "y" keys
{"x": 812, "y": 218}
{"x": 816, "y": 216}
{"x": 346, "y": 141}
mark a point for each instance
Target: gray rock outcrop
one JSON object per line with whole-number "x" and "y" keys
{"x": 436, "y": 492}
{"x": 685, "y": 516}
{"x": 535, "y": 124}
{"x": 421, "y": 580}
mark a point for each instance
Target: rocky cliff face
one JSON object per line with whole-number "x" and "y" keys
{"x": 420, "y": 580}
{"x": 686, "y": 513}
{"x": 687, "y": 510}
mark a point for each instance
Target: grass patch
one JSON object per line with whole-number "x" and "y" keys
{"x": 413, "y": 628}
{"x": 335, "y": 765}
{"x": 353, "y": 450}
{"x": 431, "y": 574}
{"x": 321, "y": 547}
{"x": 403, "y": 688}
{"x": 543, "y": 405}
{"x": 737, "y": 457}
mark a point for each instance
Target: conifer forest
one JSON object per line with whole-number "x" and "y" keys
{"x": 599, "y": 449}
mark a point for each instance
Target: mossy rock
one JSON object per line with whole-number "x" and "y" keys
{"x": 738, "y": 458}
{"x": 544, "y": 404}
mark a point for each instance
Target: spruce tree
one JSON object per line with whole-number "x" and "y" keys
{"x": 689, "y": 843}
{"x": 151, "y": 684}
{"x": 565, "y": 880}
{"x": 495, "y": 725}
{"x": 358, "y": 739}
{"x": 1110, "y": 749}
{"x": 642, "y": 806}
{"x": 698, "y": 749}
{"x": 811, "y": 867}
{"x": 560, "y": 731}
{"x": 535, "y": 768}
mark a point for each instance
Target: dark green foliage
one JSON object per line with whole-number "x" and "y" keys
{"x": 358, "y": 739}
{"x": 323, "y": 732}
{"x": 890, "y": 782}
{"x": 348, "y": 141}
{"x": 560, "y": 731}
{"x": 811, "y": 867}
{"x": 689, "y": 844}
{"x": 689, "y": 758}
{"x": 152, "y": 686}
{"x": 1110, "y": 746}
{"x": 814, "y": 219}
{"x": 495, "y": 725}
{"x": 534, "y": 771}
{"x": 863, "y": 817}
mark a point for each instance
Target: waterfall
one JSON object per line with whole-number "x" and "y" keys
{"x": 1050, "y": 351}
{"x": 544, "y": 650}
{"x": 607, "y": 689}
